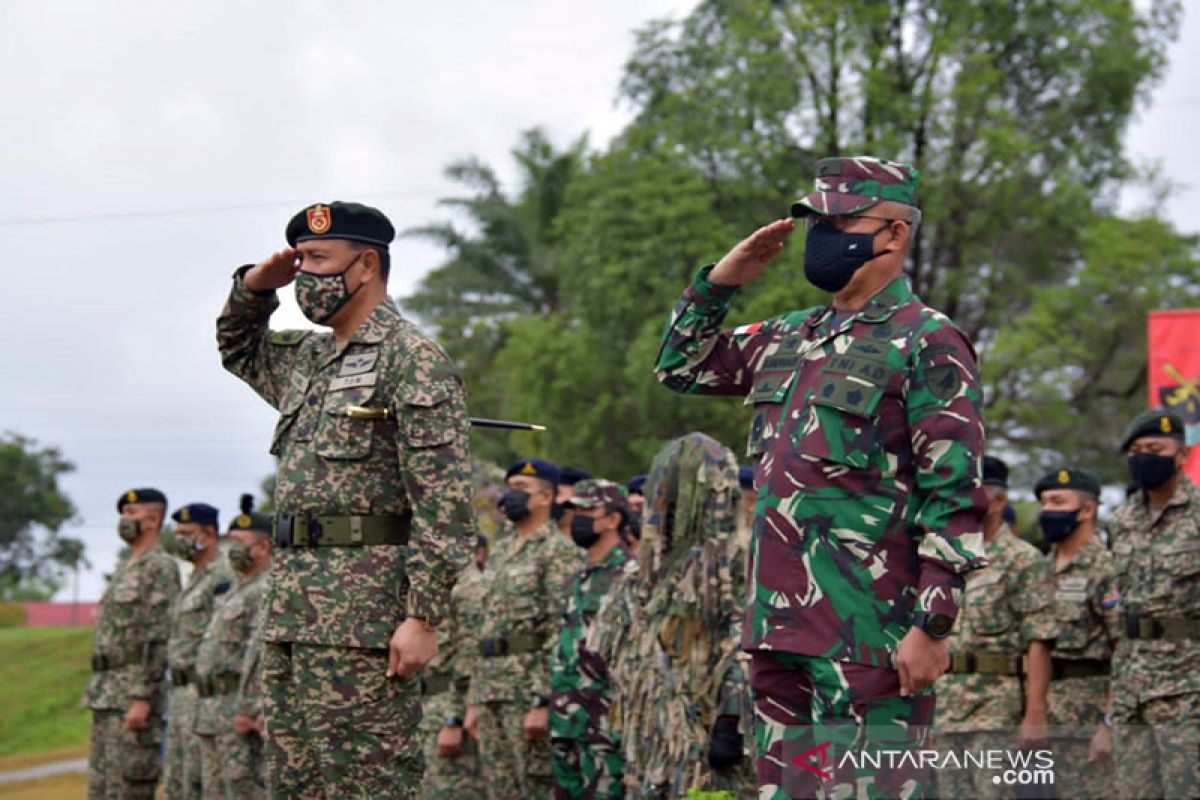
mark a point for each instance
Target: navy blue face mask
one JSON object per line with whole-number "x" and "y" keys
{"x": 831, "y": 257}
{"x": 1058, "y": 525}
{"x": 1150, "y": 470}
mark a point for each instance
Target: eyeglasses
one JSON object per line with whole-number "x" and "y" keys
{"x": 841, "y": 222}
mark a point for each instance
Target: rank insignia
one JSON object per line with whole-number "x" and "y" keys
{"x": 320, "y": 219}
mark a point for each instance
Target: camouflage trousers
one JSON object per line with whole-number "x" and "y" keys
{"x": 809, "y": 712}
{"x": 337, "y": 727}
{"x": 232, "y": 766}
{"x": 1156, "y": 746}
{"x": 585, "y": 753}
{"x": 448, "y": 778}
{"x": 123, "y": 765}
{"x": 513, "y": 768}
{"x": 181, "y": 779}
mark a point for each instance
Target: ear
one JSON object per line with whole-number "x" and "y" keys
{"x": 901, "y": 232}
{"x": 371, "y": 265}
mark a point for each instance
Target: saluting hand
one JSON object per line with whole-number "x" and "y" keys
{"x": 276, "y": 270}
{"x": 749, "y": 257}
{"x": 413, "y": 645}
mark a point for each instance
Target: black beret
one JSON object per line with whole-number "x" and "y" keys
{"x": 146, "y": 495}
{"x": 536, "y": 468}
{"x": 339, "y": 220}
{"x": 1068, "y": 478}
{"x": 573, "y": 475}
{"x": 252, "y": 521}
{"x": 201, "y": 513}
{"x": 636, "y": 484}
{"x": 1153, "y": 422}
{"x": 995, "y": 472}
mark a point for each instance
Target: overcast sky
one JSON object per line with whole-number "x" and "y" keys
{"x": 151, "y": 147}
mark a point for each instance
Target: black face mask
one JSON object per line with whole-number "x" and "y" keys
{"x": 557, "y": 511}
{"x": 1149, "y": 470}
{"x": 831, "y": 257}
{"x": 583, "y": 531}
{"x": 1058, "y": 525}
{"x": 515, "y": 504}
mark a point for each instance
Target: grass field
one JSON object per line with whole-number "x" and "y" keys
{"x": 43, "y": 672}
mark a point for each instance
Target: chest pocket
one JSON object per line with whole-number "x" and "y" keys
{"x": 289, "y": 410}
{"x": 767, "y": 394}
{"x": 986, "y": 603}
{"x": 1181, "y": 560}
{"x": 522, "y": 595}
{"x": 1074, "y": 612}
{"x": 236, "y": 629}
{"x": 840, "y": 426}
{"x": 341, "y": 436}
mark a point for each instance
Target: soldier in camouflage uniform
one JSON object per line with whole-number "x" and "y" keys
{"x": 866, "y": 439}
{"x": 1086, "y": 603}
{"x": 127, "y": 690}
{"x": 231, "y": 759}
{"x": 198, "y": 542}
{"x": 1000, "y": 649}
{"x": 510, "y": 684}
{"x": 374, "y": 505}
{"x": 670, "y": 629}
{"x": 586, "y": 752}
{"x": 451, "y": 758}
{"x": 1156, "y": 667}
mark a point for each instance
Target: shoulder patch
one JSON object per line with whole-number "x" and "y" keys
{"x": 221, "y": 588}
{"x": 289, "y": 338}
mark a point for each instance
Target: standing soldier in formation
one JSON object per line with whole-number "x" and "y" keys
{"x": 374, "y": 505}
{"x": 586, "y": 751}
{"x": 231, "y": 761}
{"x": 1004, "y": 632}
{"x": 509, "y": 693}
{"x": 668, "y": 633}
{"x": 866, "y": 439}
{"x": 1156, "y": 667}
{"x": 1086, "y": 602}
{"x": 127, "y": 691}
{"x": 452, "y": 768}
{"x": 197, "y": 541}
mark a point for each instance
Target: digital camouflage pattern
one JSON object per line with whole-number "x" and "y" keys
{"x": 586, "y": 751}
{"x": 230, "y": 761}
{"x": 866, "y": 438}
{"x": 329, "y": 612}
{"x": 524, "y": 597}
{"x": 669, "y": 630}
{"x": 190, "y": 614}
{"x": 1087, "y": 609}
{"x": 1156, "y": 557}
{"x": 458, "y": 652}
{"x": 132, "y": 627}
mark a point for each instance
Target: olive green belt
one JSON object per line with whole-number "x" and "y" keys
{"x": 512, "y": 645}
{"x": 182, "y": 676}
{"x": 316, "y": 530}
{"x": 985, "y": 664}
{"x": 438, "y": 683}
{"x": 1171, "y": 629}
{"x": 221, "y": 683}
{"x": 1078, "y": 668}
{"x": 115, "y": 659}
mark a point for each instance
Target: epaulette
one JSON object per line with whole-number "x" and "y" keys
{"x": 221, "y": 588}
{"x": 288, "y": 338}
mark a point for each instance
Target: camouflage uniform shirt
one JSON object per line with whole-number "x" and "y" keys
{"x": 866, "y": 438}
{"x": 191, "y": 612}
{"x": 1157, "y": 562}
{"x": 415, "y": 459}
{"x": 222, "y": 653}
{"x": 1006, "y": 606}
{"x": 132, "y": 626}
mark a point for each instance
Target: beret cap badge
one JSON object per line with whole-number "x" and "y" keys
{"x": 185, "y": 514}
{"x": 1064, "y": 477}
{"x": 320, "y": 219}
{"x": 1164, "y": 424}
{"x": 131, "y": 496}
{"x": 243, "y": 521}
{"x": 528, "y": 469}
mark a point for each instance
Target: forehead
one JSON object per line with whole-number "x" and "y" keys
{"x": 1059, "y": 495}
{"x": 323, "y": 246}
{"x": 243, "y": 536}
{"x": 1153, "y": 441}
{"x": 187, "y": 528}
{"x": 525, "y": 482}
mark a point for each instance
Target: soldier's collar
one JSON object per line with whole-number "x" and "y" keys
{"x": 879, "y": 308}
{"x": 376, "y": 326}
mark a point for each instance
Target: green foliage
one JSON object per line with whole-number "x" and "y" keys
{"x": 12, "y": 615}
{"x": 43, "y": 672}
{"x": 33, "y": 557}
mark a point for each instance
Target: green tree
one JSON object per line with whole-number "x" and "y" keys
{"x": 34, "y": 558}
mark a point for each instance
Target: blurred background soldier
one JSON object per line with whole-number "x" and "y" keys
{"x": 127, "y": 691}
{"x": 197, "y": 541}
{"x": 1156, "y": 667}
{"x": 231, "y": 760}
{"x": 1085, "y": 601}
{"x": 669, "y": 631}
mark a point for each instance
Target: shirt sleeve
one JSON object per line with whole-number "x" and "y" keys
{"x": 435, "y": 464}
{"x": 249, "y": 698}
{"x": 946, "y": 428}
{"x": 248, "y": 347}
{"x": 560, "y": 560}
{"x": 1031, "y": 591}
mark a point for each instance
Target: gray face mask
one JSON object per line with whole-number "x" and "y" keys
{"x": 129, "y": 529}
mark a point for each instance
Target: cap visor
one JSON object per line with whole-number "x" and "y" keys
{"x": 832, "y": 204}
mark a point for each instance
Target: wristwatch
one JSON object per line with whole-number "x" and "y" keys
{"x": 1108, "y": 719}
{"x": 936, "y": 625}
{"x": 452, "y": 722}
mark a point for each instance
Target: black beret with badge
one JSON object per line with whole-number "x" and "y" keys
{"x": 1153, "y": 422}
{"x": 200, "y": 513}
{"x": 1068, "y": 478}
{"x": 249, "y": 519}
{"x": 535, "y": 468}
{"x": 339, "y": 220}
{"x": 146, "y": 495}
{"x": 995, "y": 472}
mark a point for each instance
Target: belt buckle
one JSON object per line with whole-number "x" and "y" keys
{"x": 314, "y": 531}
{"x": 285, "y": 524}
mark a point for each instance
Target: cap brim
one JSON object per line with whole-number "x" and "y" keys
{"x": 830, "y": 204}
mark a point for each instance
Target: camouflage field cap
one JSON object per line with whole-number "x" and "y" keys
{"x": 1153, "y": 422}
{"x": 851, "y": 185}
{"x": 1068, "y": 478}
{"x": 595, "y": 492}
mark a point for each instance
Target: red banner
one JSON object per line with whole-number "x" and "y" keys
{"x": 1174, "y": 347}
